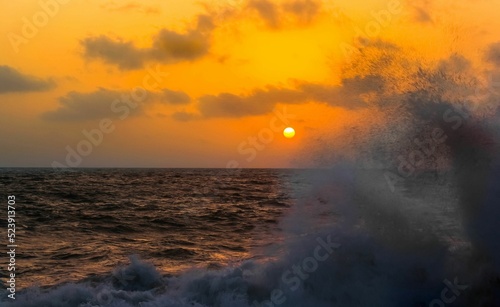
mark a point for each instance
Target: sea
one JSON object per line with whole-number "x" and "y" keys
{"x": 337, "y": 236}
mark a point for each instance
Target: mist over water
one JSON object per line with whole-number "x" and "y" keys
{"x": 403, "y": 214}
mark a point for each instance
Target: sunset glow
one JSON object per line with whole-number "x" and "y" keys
{"x": 184, "y": 83}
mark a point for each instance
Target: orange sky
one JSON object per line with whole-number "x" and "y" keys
{"x": 231, "y": 65}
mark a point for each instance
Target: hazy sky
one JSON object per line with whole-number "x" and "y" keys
{"x": 206, "y": 83}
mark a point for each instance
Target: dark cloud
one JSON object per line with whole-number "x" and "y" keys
{"x": 422, "y": 16}
{"x": 366, "y": 82}
{"x": 455, "y": 64}
{"x": 276, "y": 16}
{"x": 172, "y": 46}
{"x": 304, "y": 10}
{"x": 105, "y": 103}
{"x": 102, "y": 103}
{"x": 175, "y": 97}
{"x": 12, "y": 81}
{"x": 168, "y": 46}
{"x": 492, "y": 54}
{"x": 257, "y": 103}
{"x": 421, "y": 10}
{"x": 267, "y": 10}
{"x": 123, "y": 54}
{"x": 184, "y": 116}
{"x": 348, "y": 95}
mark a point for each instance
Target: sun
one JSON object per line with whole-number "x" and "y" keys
{"x": 289, "y": 132}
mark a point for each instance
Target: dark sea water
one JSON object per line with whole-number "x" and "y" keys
{"x": 208, "y": 237}
{"x": 80, "y": 223}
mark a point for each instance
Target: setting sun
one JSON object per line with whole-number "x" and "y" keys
{"x": 289, "y": 132}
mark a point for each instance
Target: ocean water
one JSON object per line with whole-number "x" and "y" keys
{"x": 71, "y": 224}
{"x": 337, "y": 236}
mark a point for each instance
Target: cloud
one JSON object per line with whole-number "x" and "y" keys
{"x": 422, "y": 16}
{"x": 130, "y": 7}
{"x": 349, "y": 95}
{"x": 105, "y": 103}
{"x": 99, "y": 104}
{"x": 267, "y": 10}
{"x": 123, "y": 54}
{"x": 175, "y": 97}
{"x": 421, "y": 11}
{"x": 168, "y": 46}
{"x": 492, "y": 54}
{"x": 13, "y": 81}
{"x": 257, "y": 103}
{"x": 371, "y": 79}
{"x": 302, "y": 12}
{"x": 184, "y": 116}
